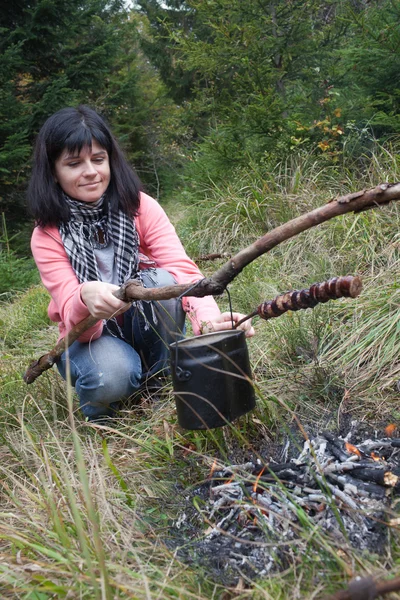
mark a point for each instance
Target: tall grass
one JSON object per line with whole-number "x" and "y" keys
{"x": 16, "y": 272}
{"x": 87, "y": 512}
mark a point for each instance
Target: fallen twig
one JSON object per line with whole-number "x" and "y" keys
{"x": 367, "y": 588}
{"x": 212, "y": 256}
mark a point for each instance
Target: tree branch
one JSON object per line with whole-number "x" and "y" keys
{"x": 355, "y": 202}
{"x": 217, "y": 283}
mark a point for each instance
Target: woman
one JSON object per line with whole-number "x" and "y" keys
{"x": 95, "y": 229}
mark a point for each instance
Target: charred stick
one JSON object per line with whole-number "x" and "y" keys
{"x": 367, "y": 588}
{"x": 368, "y": 445}
{"x": 277, "y": 467}
{"x": 364, "y": 488}
{"x": 369, "y": 472}
{"x": 369, "y": 463}
{"x": 258, "y": 486}
{"x": 337, "y": 452}
{"x": 337, "y": 492}
{"x": 360, "y": 465}
{"x": 336, "y": 467}
{"x": 319, "y": 293}
{"x": 286, "y": 476}
{"x": 337, "y": 447}
{"x": 274, "y": 472}
{"x": 380, "y": 476}
{"x": 283, "y": 475}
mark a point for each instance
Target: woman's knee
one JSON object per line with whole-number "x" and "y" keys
{"x": 109, "y": 383}
{"x": 100, "y": 391}
{"x": 103, "y": 373}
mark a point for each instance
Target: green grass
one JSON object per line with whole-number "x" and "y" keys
{"x": 86, "y": 513}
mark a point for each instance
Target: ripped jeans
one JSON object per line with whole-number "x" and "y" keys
{"x": 109, "y": 369}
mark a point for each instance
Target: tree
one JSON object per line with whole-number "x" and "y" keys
{"x": 174, "y": 16}
{"x": 370, "y": 80}
{"x": 145, "y": 119}
{"x": 53, "y": 53}
{"x": 256, "y": 68}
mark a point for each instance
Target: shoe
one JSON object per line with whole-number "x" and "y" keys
{"x": 105, "y": 421}
{"x": 151, "y": 389}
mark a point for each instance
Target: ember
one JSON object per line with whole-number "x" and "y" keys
{"x": 260, "y": 515}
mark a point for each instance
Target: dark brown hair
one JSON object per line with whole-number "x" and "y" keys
{"x": 72, "y": 129}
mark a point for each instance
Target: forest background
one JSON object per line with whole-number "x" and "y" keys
{"x": 237, "y": 116}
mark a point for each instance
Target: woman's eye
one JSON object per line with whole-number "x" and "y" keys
{"x": 98, "y": 160}
{"x": 73, "y": 164}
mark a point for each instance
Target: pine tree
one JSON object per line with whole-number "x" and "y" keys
{"x": 255, "y": 67}
{"x": 371, "y": 67}
{"x": 53, "y": 53}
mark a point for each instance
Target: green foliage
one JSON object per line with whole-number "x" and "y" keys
{"x": 161, "y": 49}
{"x": 269, "y": 79}
{"x": 370, "y": 64}
{"x": 26, "y": 313}
{"x": 145, "y": 120}
{"x": 52, "y": 54}
{"x": 16, "y": 273}
{"x": 257, "y": 69}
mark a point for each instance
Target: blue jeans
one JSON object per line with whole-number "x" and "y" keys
{"x": 109, "y": 369}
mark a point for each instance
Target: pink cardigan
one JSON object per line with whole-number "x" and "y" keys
{"x": 158, "y": 241}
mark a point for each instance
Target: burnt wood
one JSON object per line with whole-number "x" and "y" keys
{"x": 370, "y": 489}
{"x": 367, "y": 589}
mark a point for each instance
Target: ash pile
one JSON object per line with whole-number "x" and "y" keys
{"x": 262, "y": 517}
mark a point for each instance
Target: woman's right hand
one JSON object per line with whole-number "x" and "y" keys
{"x": 102, "y": 304}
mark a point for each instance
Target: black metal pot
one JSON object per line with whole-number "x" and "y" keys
{"x": 211, "y": 376}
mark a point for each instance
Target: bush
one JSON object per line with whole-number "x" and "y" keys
{"x": 16, "y": 274}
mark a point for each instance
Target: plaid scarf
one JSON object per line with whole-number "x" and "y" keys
{"x": 90, "y": 228}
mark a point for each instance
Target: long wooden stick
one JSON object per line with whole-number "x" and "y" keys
{"x": 215, "y": 285}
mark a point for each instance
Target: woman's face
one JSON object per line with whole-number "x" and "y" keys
{"x": 84, "y": 176}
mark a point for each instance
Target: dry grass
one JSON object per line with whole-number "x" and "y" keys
{"x": 86, "y": 512}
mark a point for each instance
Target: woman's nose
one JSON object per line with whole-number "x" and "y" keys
{"x": 89, "y": 168}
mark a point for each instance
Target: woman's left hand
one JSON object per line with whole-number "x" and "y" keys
{"x": 224, "y": 321}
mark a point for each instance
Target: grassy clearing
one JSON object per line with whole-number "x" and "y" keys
{"x": 86, "y": 513}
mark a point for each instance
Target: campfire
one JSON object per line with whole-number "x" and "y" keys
{"x": 261, "y": 515}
